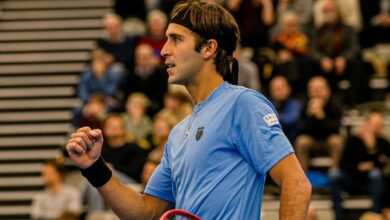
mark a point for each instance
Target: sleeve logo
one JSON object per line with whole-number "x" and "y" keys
{"x": 271, "y": 119}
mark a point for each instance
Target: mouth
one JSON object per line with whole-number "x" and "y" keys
{"x": 170, "y": 65}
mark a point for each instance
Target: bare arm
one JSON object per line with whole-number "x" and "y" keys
{"x": 128, "y": 204}
{"x": 84, "y": 148}
{"x": 295, "y": 188}
{"x": 267, "y": 15}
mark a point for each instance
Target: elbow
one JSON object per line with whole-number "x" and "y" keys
{"x": 306, "y": 187}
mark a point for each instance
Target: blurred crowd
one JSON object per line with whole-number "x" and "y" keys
{"x": 314, "y": 59}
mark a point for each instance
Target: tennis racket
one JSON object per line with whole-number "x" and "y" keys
{"x": 178, "y": 214}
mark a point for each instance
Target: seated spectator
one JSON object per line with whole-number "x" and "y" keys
{"x": 99, "y": 78}
{"x": 116, "y": 43}
{"x": 157, "y": 22}
{"x": 288, "y": 108}
{"x": 177, "y": 104}
{"x": 137, "y": 124}
{"x": 291, "y": 47}
{"x": 56, "y": 198}
{"x": 375, "y": 37}
{"x": 301, "y": 7}
{"x": 334, "y": 47}
{"x": 361, "y": 164}
{"x": 320, "y": 123}
{"x": 376, "y": 20}
{"x": 349, "y": 12}
{"x": 93, "y": 112}
{"x": 151, "y": 164}
{"x": 249, "y": 72}
{"x": 147, "y": 77}
{"x": 162, "y": 126}
{"x": 125, "y": 157}
{"x": 254, "y": 19}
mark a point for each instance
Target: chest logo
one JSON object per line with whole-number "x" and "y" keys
{"x": 199, "y": 133}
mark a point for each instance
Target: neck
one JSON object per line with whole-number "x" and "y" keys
{"x": 204, "y": 85}
{"x": 55, "y": 188}
{"x": 116, "y": 142}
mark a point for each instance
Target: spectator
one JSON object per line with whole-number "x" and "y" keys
{"x": 320, "y": 124}
{"x": 162, "y": 126}
{"x": 376, "y": 20}
{"x": 291, "y": 47}
{"x": 56, "y": 198}
{"x": 137, "y": 124}
{"x": 254, "y": 18}
{"x": 93, "y": 112}
{"x": 361, "y": 164}
{"x": 98, "y": 78}
{"x": 146, "y": 77}
{"x": 349, "y": 12}
{"x": 157, "y": 22}
{"x": 125, "y": 157}
{"x": 288, "y": 108}
{"x": 334, "y": 47}
{"x": 177, "y": 104}
{"x": 249, "y": 72}
{"x": 117, "y": 43}
{"x": 151, "y": 164}
{"x": 301, "y": 7}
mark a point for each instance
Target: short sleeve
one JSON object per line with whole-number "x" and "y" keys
{"x": 160, "y": 184}
{"x": 257, "y": 133}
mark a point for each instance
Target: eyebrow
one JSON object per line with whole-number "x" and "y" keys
{"x": 170, "y": 35}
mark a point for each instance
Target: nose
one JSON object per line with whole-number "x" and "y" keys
{"x": 164, "y": 51}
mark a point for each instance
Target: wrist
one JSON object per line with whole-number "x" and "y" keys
{"x": 98, "y": 173}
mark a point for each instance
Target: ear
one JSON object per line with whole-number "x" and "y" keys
{"x": 210, "y": 49}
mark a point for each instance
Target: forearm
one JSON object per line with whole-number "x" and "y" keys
{"x": 128, "y": 204}
{"x": 267, "y": 15}
{"x": 295, "y": 199}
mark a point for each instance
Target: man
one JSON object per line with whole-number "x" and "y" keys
{"x": 320, "y": 123}
{"x": 362, "y": 162}
{"x": 335, "y": 49}
{"x": 148, "y": 77}
{"x": 57, "y": 197}
{"x": 288, "y": 107}
{"x": 215, "y": 161}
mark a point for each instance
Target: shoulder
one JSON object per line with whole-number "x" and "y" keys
{"x": 70, "y": 190}
{"x": 250, "y": 98}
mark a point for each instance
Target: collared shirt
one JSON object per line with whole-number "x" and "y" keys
{"x": 215, "y": 161}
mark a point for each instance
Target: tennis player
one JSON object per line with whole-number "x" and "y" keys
{"x": 216, "y": 160}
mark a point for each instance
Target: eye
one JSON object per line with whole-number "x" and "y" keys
{"x": 176, "y": 38}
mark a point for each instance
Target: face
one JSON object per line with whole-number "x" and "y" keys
{"x": 156, "y": 26}
{"x": 290, "y": 25}
{"x": 112, "y": 26}
{"x": 50, "y": 176}
{"x": 136, "y": 105}
{"x": 114, "y": 127}
{"x": 183, "y": 62}
{"x": 279, "y": 89}
{"x": 161, "y": 128}
{"x": 330, "y": 12}
{"x": 317, "y": 88}
{"x": 144, "y": 56}
{"x": 376, "y": 122}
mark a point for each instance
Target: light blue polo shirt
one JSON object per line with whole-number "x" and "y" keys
{"x": 218, "y": 170}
